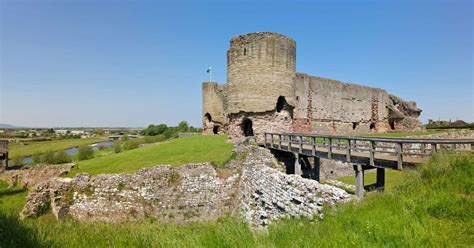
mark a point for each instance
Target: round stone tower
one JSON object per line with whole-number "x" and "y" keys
{"x": 260, "y": 70}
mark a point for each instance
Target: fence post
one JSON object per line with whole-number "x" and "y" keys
{"x": 433, "y": 148}
{"x": 372, "y": 153}
{"x": 301, "y": 144}
{"x": 348, "y": 151}
{"x": 399, "y": 149}
{"x": 279, "y": 141}
{"x": 329, "y": 148}
{"x": 314, "y": 146}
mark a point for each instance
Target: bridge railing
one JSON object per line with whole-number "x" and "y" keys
{"x": 374, "y": 148}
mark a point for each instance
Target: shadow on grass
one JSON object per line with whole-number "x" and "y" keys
{"x": 14, "y": 234}
{"x": 11, "y": 192}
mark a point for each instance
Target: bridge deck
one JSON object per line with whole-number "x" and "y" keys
{"x": 378, "y": 152}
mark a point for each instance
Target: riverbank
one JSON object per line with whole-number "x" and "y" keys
{"x": 17, "y": 150}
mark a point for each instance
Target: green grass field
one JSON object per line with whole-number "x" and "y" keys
{"x": 176, "y": 152}
{"x": 19, "y": 150}
{"x": 429, "y": 207}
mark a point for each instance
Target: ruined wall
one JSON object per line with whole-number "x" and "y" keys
{"x": 213, "y": 106}
{"x": 260, "y": 68}
{"x": 271, "y": 121}
{"x": 192, "y": 192}
{"x": 329, "y": 106}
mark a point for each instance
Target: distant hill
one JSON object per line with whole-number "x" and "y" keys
{"x": 3, "y": 125}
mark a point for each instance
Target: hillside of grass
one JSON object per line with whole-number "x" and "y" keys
{"x": 429, "y": 207}
{"x": 176, "y": 152}
{"x": 22, "y": 150}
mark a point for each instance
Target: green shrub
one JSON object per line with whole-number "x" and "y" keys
{"x": 36, "y": 158}
{"x": 131, "y": 144}
{"x": 48, "y": 157}
{"x": 85, "y": 152}
{"x": 117, "y": 147}
{"x": 61, "y": 157}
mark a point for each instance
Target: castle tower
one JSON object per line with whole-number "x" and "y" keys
{"x": 260, "y": 69}
{"x": 260, "y": 93}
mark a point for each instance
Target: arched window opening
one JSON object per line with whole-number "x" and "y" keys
{"x": 392, "y": 124}
{"x": 245, "y": 51}
{"x": 208, "y": 117}
{"x": 216, "y": 129}
{"x": 372, "y": 126}
{"x": 354, "y": 125}
{"x": 281, "y": 103}
{"x": 247, "y": 127}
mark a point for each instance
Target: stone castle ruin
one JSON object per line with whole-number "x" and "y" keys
{"x": 264, "y": 93}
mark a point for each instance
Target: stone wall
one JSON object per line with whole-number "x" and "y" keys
{"x": 213, "y": 106}
{"x": 271, "y": 121}
{"x": 29, "y": 176}
{"x": 329, "y": 106}
{"x": 194, "y": 192}
{"x": 260, "y": 68}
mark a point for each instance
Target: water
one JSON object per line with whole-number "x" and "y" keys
{"x": 72, "y": 151}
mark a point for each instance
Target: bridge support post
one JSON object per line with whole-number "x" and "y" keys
{"x": 317, "y": 169}
{"x": 359, "y": 175}
{"x": 298, "y": 170}
{"x": 380, "y": 179}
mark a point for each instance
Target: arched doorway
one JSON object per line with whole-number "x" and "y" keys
{"x": 247, "y": 127}
{"x": 281, "y": 103}
{"x": 216, "y": 129}
{"x": 208, "y": 117}
{"x": 392, "y": 124}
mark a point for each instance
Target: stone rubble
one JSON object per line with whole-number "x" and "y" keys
{"x": 194, "y": 192}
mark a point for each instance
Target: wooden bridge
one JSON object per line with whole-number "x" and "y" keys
{"x": 364, "y": 153}
{"x": 3, "y": 155}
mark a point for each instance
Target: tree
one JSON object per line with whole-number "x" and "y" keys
{"x": 85, "y": 152}
{"x": 183, "y": 126}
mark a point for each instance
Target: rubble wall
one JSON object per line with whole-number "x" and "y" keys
{"x": 194, "y": 192}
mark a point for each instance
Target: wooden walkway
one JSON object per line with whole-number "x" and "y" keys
{"x": 364, "y": 152}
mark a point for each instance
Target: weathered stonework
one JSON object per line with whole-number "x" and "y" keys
{"x": 29, "y": 176}
{"x": 261, "y": 70}
{"x": 192, "y": 192}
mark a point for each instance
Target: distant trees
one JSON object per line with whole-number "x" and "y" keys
{"x": 168, "y": 132}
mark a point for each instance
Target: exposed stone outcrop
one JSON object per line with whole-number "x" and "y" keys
{"x": 192, "y": 192}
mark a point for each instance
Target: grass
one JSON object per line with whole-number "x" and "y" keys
{"x": 176, "y": 152}
{"x": 392, "y": 178}
{"x": 18, "y": 150}
{"x": 429, "y": 207}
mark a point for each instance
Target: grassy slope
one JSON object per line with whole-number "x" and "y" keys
{"x": 18, "y": 150}
{"x": 431, "y": 207}
{"x": 175, "y": 152}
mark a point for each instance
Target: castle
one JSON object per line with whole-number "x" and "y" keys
{"x": 264, "y": 93}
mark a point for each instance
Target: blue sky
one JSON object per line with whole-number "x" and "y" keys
{"x": 132, "y": 63}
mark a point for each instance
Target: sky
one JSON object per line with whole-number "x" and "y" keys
{"x": 132, "y": 63}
